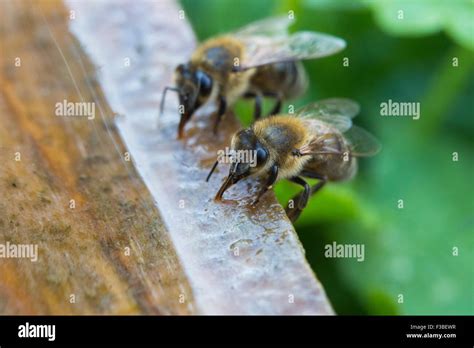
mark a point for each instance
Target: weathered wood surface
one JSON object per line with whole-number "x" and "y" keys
{"x": 187, "y": 254}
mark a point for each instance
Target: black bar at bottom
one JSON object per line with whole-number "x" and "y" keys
{"x": 135, "y": 330}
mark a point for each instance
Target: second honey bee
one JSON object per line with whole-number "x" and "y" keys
{"x": 318, "y": 141}
{"x": 259, "y": 60}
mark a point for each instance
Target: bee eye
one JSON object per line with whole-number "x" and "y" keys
{"x": 205, "y": 82}
{"x": 262, "y": 156}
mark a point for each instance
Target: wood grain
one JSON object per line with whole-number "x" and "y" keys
{"x": 82, "y": 251}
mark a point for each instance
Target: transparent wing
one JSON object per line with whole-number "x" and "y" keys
{"x": 325, "y": 144}
{"x": 361, "y": 142}
{"x": 262, "y": 49}
{"x": 275, "y": 26}
{"x": 336, "y": 112}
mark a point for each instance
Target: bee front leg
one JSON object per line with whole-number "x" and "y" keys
{"x": 220, "y": 112}
{"x": 301, "y": 199}
{"x": 273, "y": 174}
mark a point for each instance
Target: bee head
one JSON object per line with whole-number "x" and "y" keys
{"x": 194, "y": 88}
{"x": 249, "y": 156}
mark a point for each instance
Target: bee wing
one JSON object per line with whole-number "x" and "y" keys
{"x": 336, "y": 112}
{"x": 275, "y": 26}
{"x": 264, "y": 49}
{"x": 336, "y": 115}
{"x": 362, "y": 143}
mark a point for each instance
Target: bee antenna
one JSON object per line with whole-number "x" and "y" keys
{"x": 212, "y": 170}
{"x": 163, "y": 97}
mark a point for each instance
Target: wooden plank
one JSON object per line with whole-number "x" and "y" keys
{"x": 82, "y": 251}
{"x": 188, "y": 254}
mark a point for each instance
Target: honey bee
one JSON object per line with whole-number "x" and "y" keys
{"x": 259, "y": 60}
{"x": 318, "y": 141}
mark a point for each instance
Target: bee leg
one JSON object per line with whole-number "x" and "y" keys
{"x": 220, "y": 112}
{"x": 258, "y": 106}
{"x": 277, "y": 107}
{"x": 257, "y": 113}
{"x": 301, "y": 199}
{"x": 273, "y": 174}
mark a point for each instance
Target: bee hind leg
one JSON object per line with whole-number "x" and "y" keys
{"x": 301, "y": 200}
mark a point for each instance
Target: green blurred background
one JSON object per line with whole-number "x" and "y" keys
{"x": 408, "y": 251}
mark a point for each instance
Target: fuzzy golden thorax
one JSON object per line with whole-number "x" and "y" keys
{"x": 219, "y": 57}
{"x": 281, "y": 135}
